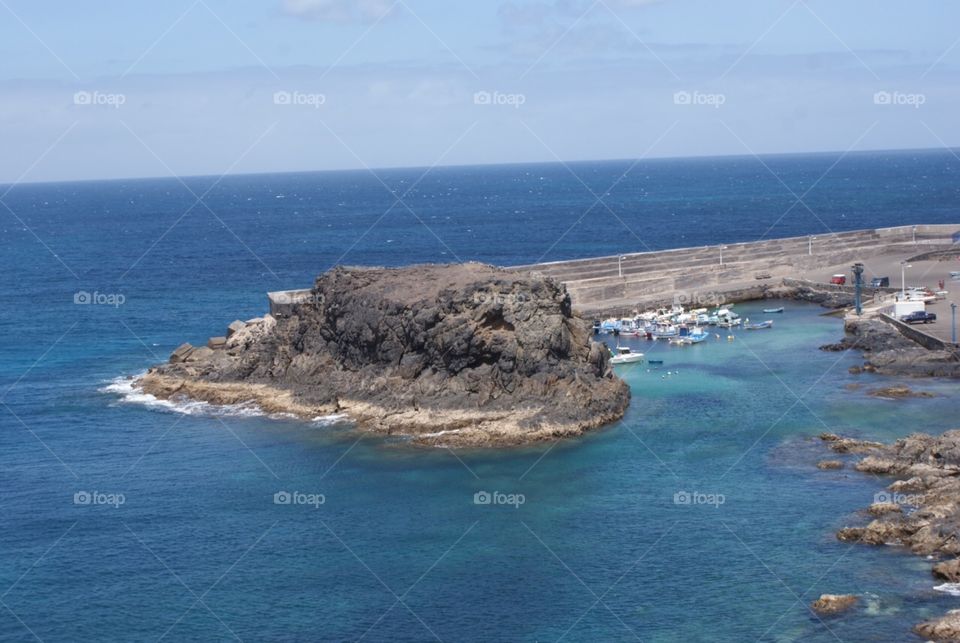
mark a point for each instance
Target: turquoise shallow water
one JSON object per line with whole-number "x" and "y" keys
{"x": 599, "y": 549}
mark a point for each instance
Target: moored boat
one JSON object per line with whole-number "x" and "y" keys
{"x": 758, "y": 326}
{"x": 623, "y": 355}
{"x": 773, "y": 310}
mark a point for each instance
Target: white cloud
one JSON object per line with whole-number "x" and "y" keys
{"x": 338, "y": 10}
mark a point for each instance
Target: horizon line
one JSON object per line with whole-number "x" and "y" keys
{"x": 9, "y": 186}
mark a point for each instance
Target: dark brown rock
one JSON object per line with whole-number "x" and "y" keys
{"x": 830, "y": 464}
{"x": 479, "y": 354}
{"x": 833, "y": 603}
{"x": 948, "y": 570}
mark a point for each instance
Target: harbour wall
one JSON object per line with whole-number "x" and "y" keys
{"x": 927, "y": 341}
{"x": 699, "y": 276}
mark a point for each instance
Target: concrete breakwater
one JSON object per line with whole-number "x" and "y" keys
{"x": 708, "y": 275}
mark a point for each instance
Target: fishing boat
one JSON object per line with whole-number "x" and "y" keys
{"x": 770, "y": 311}
{"x": 727, "y": 318}
{"x": 690, "y": 336}
{"x": 624, "y": 355}
{"x": 729, "y": 322}
{"x": 665, "y": 332}
{"x": 655, "y": 362}
{"x": 758, "y": 326}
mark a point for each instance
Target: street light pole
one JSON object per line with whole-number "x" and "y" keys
{"x": 721, "y": 254}
{"x": 914, "y": 235}
{"x": 903, "y": 278}
{"x": 953, "y": 311}
{"x": 620, "y": 259}
{"x": 810, "y": 245}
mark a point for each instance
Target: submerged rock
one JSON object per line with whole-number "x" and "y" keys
{"x": 481, "y": 355}
{"x": 830, "y": 464}
{"x": 899, "y": 392}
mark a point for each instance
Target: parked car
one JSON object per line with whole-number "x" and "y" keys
{"x": 880, "y": 282}
{"x": 919, "y": 317}
{"x": 838, "y": 279}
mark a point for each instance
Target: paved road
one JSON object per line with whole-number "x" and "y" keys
{"x": 927, "y": 274}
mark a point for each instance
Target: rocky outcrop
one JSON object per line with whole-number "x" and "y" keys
{"x": 826, "y": 295}
{"x": 888, "y": 352}
{"x": 833, "y": 603}
{"x": 945, "y": 628}
{"x": 921, "y": 511}
{"x": 455, "y": 355}
{"x": 829, "y": 464}
{"x": 840, "y": 444}
{"x": 948, "y": 570}
{"x": 895, "y": 392}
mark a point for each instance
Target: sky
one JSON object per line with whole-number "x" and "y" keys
{"x": 98, "y": 89}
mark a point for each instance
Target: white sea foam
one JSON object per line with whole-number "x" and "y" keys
{"x": 949, "y": 588}
{"x": 129, "y": 393}
{"x": 438, "y": 433}
{"x": 324, "y": 420}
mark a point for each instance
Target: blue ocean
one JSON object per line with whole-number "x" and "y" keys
{"x": 700, "y": 517}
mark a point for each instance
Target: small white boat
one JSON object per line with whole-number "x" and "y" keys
{"x": 624, "y": 355}
{"x": 763, "y": 324}
{"x": 770, "y": 311}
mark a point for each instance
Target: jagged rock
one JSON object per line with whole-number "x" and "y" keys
{"x": 879, "y": 532}
{"x": 216, "y": 343}
{"x": 199, "y": 354}
{"x": 830, "y": 464}
{"x": 457, "y": 354}
{"x": 931, "y": 526}
{"x": 945, "y": 628}
{"x": 881, "y": 466}
{"x": 849, "y": 445}
{"x": 889, "y": 352}
{"x": 235, "y": 327}
{"x": 948, "y": 570}
{"x": 899, "y": 392}
{"x": 833, "y": 603}
{"x": 181, "y": 353}
{"x": 907, "y": 486}
{"x": 884, "y": 508}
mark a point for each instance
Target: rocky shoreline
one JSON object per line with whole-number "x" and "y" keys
{"x": 448, "y": 355}
{"x": 920, "y": 510}
{"x": 888, "y": 352}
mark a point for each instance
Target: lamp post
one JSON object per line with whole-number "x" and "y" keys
{"x": 953, "y": 311}
{"x": 903, "y": 278}
{"x": 620, "y": 259}
{"x": 722, "y": 248}
{"x": 810, "y": 245}
{"x": 914, "y": 235}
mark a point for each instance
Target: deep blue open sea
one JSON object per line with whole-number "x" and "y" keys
{"x": 125, "y": 521}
